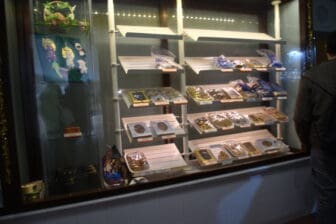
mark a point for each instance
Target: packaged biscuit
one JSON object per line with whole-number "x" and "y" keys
{"x": 261, "y": 119}
{"x": 268, "y": 145}
{"x": 251, "y": 150}
{"x": 157, "y": 97}
{"x": 236, "y": 150}
{"x": 162, "y": 128}
{"x": 238, "y": 119}
{"x": 218, "y": 95}
{"x": 233, "y": 94}
{"x": 139, "y": 130}
{"x": 220, "y": 121}
{"x": 138, "y": 97}
{"x": 204, "y": 125}
{"x": 221, "y": 154}
{"x": 276, "y": 114}
{"x": 137, "y": 161}
{"x": 199, "y": 95}
{"x": 205, "y": 157}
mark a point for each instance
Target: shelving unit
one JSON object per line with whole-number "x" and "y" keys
{"x": 203, "y": 64}
{"x": 170, "y": 118}
{"x": 199, "y": 65}
{"x": 161, "y": 159}
{"x": 138, "y": 63}
{"x": 221, "y": 35}
{"x": 148, "y": 32}
{"x": 243, "y": 111}
{"x": 250, "y": 136}
{"x": 147, "y": 64}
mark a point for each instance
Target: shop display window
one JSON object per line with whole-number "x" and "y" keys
{"x": 128, "y": 95}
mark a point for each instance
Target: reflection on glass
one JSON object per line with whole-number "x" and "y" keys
{"x": 66, "y": 98}
{"x": 1, "y": 197}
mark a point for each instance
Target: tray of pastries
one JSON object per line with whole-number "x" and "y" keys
{"x": 233, "y": 94}
{"x": 261, "y": 119}
{"x": 157, "y": 97}
{"x": 199, "y": 95}
{"x": 138, "y": 97}
{"x": 251, "y": 149}
{"x": 220, "y": 121}
{"x": 221, "y": 155}
{"x": 280, "y": 117}
{"x": 205, "y": 157}
{"x": 269, "y": 145}
{"x": 203, "y": 125}
{"x": 162, "y": 128}
{"x": 136, "y": 161}
{"x": 238, "y": 119}
{"x": 139, "y": 130}
{"x": 236, "y": 150}
{"x": 218, "y": 95}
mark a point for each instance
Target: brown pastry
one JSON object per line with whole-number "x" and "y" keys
{"x": 251, "y": 150}
{"x": 137, "y": 161}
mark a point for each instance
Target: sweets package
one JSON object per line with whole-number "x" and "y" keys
{"x": 138, "y": 97}
{"x": 236, "y": 150}
{"x": 114, "y": 169}
{"x": 218, "y": 95}
{"x": 251, "y": 150}
{"x": 205, "y": 157}
{"x": 157, "y": 97}
{"x": 221, "y": 154}
{"x": 262, "y": 88}
{"x": 276, "y": 114}
{"x": 261, "y": 119}
{"x": 204, "y": 125}
{"x": 173, "y": 95}
{"x": 162, "y": 128}
{"x": 220, "y": 121}
{"x": 137, "y": 161}
{"x": 238, "y": 119}
{"x": 199, "y": 95}
{"x": 277, "y": 90}
{"x": 233, "y": 94}
{"x": 268, "y": 145}
{"x": 139, "y": 130}
{"x": 164, "y": 59}
{"x": 273, "y": 61}
{"x": 223, "y": 63}
{"x": 256, "y": 64}
{"x": 248, "y": 93}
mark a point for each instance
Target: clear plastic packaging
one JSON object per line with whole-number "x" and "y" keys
{"x": 136, "y": 161}
{"x": 164, "y": 59}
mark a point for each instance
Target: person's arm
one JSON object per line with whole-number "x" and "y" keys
{"x": 303, "y": 111}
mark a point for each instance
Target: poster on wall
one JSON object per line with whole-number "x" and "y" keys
{"x": 63, "y": 59}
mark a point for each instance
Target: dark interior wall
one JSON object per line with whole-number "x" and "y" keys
{"x": 324, "y": 21}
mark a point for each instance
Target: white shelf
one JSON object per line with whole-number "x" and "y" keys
{"x": 250, "y": 136}
{"x": 137, "y": 63}
{"x": 243, "y": 111}
{"x": 218, "y": 35}
{"x": 202, "y": 64}
{"x": 170, "y": 118}
{"x": 219, "y": 86}
{"x": 161, "y": 158}
{"x": 141, "y": 63}
{"x": 172, "y": 101}
{"x": 148, "y": 32}
{"x": 228, "y": 85}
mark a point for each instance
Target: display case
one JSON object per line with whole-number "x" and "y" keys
{"x": 114, "y": 96}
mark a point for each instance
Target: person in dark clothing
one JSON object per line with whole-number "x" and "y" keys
{"x": 315, "y": 122}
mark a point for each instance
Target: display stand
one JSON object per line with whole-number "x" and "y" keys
{"x": 197, "y": 64}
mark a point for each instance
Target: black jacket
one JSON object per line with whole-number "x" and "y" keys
{"x": 315, "y": 113}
